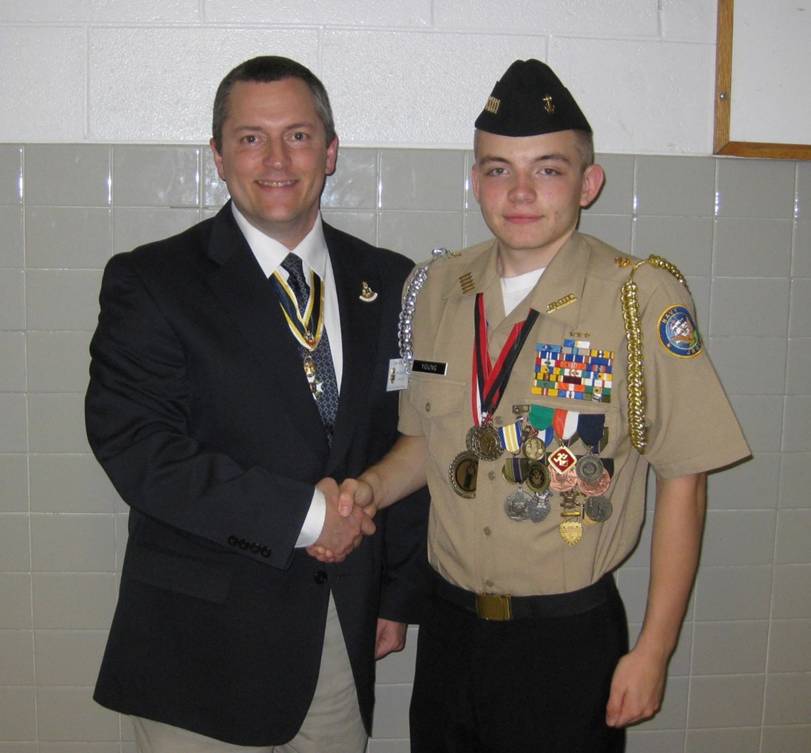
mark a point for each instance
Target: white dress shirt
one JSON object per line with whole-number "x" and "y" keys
{"x": 313, "y": 253}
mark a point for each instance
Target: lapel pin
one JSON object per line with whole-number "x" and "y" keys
{"x": 367, "y": 295}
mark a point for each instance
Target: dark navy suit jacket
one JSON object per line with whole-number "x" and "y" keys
{"x": 199, "y": 411}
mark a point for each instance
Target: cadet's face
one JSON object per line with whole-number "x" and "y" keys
{"x": 531, "y": 189}
{"x": 274, "y": 156}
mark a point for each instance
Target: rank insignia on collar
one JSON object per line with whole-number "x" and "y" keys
{"x": 367, "y": 295}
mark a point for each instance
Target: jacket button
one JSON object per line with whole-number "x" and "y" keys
{"x": 264, "y": 551}
{"x": 320, "y": 577}
{"x": 244, "y": 544}
{"x": 233, "y": 540}
{"x": 255, "y": 548}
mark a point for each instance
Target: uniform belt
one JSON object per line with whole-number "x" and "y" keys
{"x": 503, "y": 607}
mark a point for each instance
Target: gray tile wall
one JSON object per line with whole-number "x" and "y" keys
{"x": 740, "y": 680}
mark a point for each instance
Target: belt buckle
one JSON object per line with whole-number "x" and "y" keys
{"x": 496, "y": 607}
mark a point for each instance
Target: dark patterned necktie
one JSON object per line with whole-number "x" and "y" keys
{"x": 324, "y": 384}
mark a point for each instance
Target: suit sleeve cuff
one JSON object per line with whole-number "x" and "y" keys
{"x": 314, "y": 522}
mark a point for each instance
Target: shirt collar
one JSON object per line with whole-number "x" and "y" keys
{"x": 270, "y": 253}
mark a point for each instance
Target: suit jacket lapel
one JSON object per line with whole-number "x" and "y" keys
{"x": 360, "y": 322}
{"x": 243, "y": 290}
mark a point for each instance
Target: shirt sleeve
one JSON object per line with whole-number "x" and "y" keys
{"x": 691, "y": 425}
{"x": 313, "y": 521}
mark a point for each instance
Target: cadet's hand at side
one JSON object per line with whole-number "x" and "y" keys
{"x": 636, "y": 688}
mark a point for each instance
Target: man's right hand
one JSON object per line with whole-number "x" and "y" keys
{"x": 341, "y": 534}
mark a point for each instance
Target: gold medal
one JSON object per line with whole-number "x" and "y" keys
{"x": 571, "y": 530}
{"x": 534, "y": 448}
{"x": 571, "y": 527}
{"x": 483, "y": 442}
{"x": 462, "y": 474}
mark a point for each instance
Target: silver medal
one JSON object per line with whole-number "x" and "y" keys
{"x": 589, "y": 468}
{"x": 599, "y": 509}
{"x": 539, "y": 506}
{"x": 517, "y": 505}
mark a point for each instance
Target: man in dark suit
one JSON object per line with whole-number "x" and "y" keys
{"x": 238, "y": 370}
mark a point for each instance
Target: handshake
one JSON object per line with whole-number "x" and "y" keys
{"x": 350, "y": 509}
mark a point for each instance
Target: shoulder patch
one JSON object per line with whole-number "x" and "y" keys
{"x": 678, "y": 332}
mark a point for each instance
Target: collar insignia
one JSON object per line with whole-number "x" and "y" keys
{"x": 560, "y": 302}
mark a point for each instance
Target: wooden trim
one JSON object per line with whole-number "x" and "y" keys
{"x": 765, "y": 150}
{"x": 723, "y": 102}
{"x": 723, "y": 75}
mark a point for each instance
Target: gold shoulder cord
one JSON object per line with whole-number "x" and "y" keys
{"x": 633, "y": 333}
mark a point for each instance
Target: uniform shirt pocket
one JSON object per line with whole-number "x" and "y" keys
{"x": 440, "y": 405}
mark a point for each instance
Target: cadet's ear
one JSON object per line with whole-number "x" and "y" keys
{"x": 593, "y": 179}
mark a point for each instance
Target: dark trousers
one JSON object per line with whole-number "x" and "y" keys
{"x": 538, "y": 684}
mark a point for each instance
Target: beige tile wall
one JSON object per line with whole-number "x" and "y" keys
{"x": 740, "y": 680}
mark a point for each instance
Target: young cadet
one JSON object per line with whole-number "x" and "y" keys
{"x": 549, "y": 372}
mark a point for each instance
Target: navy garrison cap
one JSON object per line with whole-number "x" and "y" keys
{"x": 529, "y": 99}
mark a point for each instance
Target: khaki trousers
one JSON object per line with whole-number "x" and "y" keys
{"x": 332, "y": 725}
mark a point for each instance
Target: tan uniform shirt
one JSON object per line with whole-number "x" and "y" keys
{"x": 692, "y": 427}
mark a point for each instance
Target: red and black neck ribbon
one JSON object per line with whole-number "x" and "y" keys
{"x": 489, "y": 381}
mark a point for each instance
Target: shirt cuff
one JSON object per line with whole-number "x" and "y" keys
{"x": 314, "y": 522}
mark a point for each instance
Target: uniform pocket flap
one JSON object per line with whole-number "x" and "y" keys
{"x": 435, "y": 396}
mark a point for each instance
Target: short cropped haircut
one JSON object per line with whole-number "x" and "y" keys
{"x": 265, "y": 69}
{"x": 584, "y": 143}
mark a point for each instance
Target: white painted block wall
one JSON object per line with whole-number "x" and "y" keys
{"x": 410, "y": 74}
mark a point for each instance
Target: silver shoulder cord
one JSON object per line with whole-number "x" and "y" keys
{"x": 415, "y": 283}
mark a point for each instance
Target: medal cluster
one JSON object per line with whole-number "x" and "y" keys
{"x": 540, "y": 460}
{"x": 540, "y": 470}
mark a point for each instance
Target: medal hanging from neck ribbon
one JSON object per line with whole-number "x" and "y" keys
{"x": 489, "y": 381}
{"x": 304, "y": 316}
{"x": 306, "y": 327}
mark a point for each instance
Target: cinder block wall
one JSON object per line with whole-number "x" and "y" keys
{"x": 740, "y": 231}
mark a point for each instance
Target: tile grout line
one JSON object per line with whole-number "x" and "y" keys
{"x": 28, "y": 456}
{"x": 766, "y": 672}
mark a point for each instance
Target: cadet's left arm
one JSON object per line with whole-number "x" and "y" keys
{"x": 639, "y": 679}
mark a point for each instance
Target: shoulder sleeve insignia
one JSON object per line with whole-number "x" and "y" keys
{"x": 678, "y": 332}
